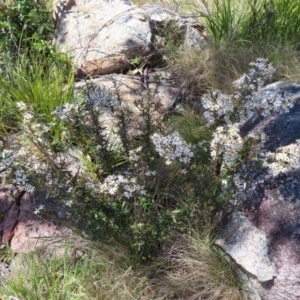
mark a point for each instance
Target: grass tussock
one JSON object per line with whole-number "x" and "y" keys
{"x": 193, "y": 268}
{"x": 86, "y": 270}
{"x": 37, "y": 83}
{"x": 190, "y": 267}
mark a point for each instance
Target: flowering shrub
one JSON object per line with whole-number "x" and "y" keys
{"x": 126, "y": 189}
{"x": 258, "y": 75}
{"x": 216, "y": 105}
{"x": 112, "y": 183}
{"x": 67, "y": 112}
{"x": 250, "y": 100}
{"x": 141, "y": 189}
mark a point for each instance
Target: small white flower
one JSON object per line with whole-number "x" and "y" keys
{"x": 226, "y": 143}
{"x": 29, "y": 188}
{"x": 183, "y": 171}
{"x": 21, "y": 105}
{"x": 69, "y": 203}
{"x": 142, "y": 192}
{"x": 39, "y": 209}
{"x": 150, "y": 173}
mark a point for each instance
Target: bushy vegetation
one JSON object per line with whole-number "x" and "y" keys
{"x": 156, "y": 197}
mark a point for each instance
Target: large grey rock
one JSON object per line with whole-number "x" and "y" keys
{"x": 102, "y": 36}
{"x": 92, "y": 30}
{"x": 271, "y": 201}
{"x": 248, "y": 246}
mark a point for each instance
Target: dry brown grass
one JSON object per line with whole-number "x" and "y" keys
{"x": 192, "y": 268}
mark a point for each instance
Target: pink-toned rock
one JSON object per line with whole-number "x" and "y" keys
{"x": 33, "y": 231}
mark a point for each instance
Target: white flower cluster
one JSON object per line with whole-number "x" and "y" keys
{"x": 26, "y": 111}
{"x": 7, "y": 159}
{"x": 216, "y": 105}
{"x": 113, "y": 183}
{"x": 132, "y": 188}
{"x": 28, "y": 156}
{"x": 28, "y": 153}
{"x": 286, "y": 158}
{"x": 260, "y": 101}
{"x": 30, "y": 124}
{"x": 226, "y": 143}
{"x": 21, "y": 180}
{"x": 257, "y": 76}
{"x": 69, "y": 202}
{"x": 102, "y": 98}
{"x": 250, "y": 98}
{"x": 172, "y": 147}
{"x": 265, "y": 103}
{"x": 204, "y": 145}
{"x": 133, "y": 156}
{"x": 67, "y": 112}
{"x": 27, "y": 115}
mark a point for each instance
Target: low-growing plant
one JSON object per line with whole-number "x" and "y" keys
{"x": 25, "y": 24}
{"x": 43, "y": 86}
{"x": 260, "y": 21}
{"x": 273, "y": 20}
{"x": 223, "y": 19}
{"x": 85, "y": 270}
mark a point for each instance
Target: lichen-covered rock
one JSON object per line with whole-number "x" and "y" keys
{"x": 271, "y": 200}
{"x": 248, "y": 246}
